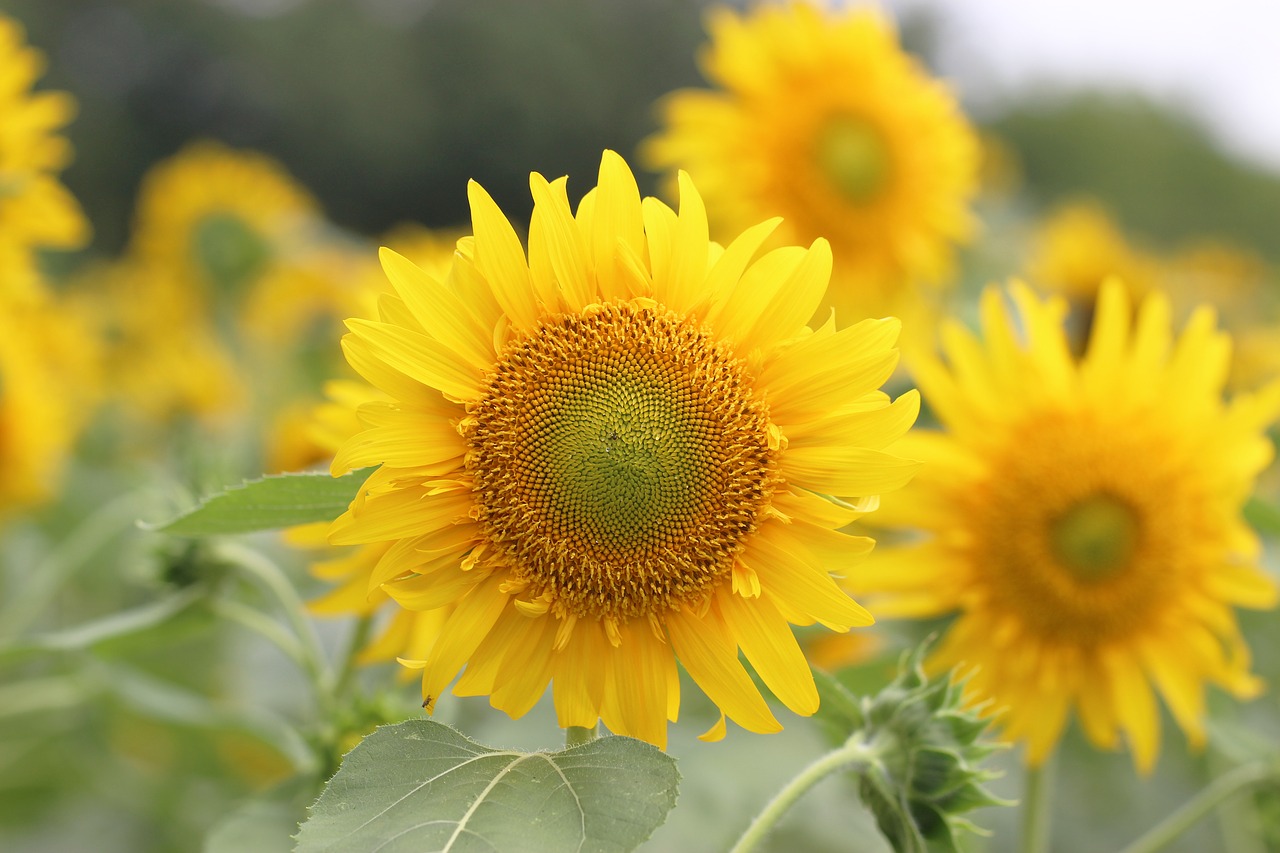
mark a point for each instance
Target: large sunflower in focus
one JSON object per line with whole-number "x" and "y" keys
{"x": 35, "y": 208}
{"x": 609, "y": 454}
{"x": 1085, "y": 519}
{"x": 823, "y": 119}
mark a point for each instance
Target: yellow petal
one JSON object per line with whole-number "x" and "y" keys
{"x": 579, "y": 672}
{"x": 1135, "y": 707}
{"x": 616, "y": 218}
{"x": 641, "y": 679}
{"x": 526, "y": 667}
{"x": 786, "y": 310}
{"x": 499, "y": 257}
{"x": 704, "y": 646}
{"x": 791, "y": 578}
{"x": 465, "y": 630}
{"x": 733, "y": 261}
{"x": 738, "y": 314}
{"x": 429, "y": 591}
{"x": 846, "y": 471}
{"x": 439, "y": 311}
{"x": 399, "y": 514}
{"x": 419, "y": 357}
{"x": 414, "y": 441}
{"x": 810, "y": 377}
{"x": 874, "y": 429}
{"x": 767, "y": 641}
{"x": 560, "y": 242}
{"x": 682, "y": 285}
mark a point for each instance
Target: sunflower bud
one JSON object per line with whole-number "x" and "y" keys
{"x": 924, "y": 754}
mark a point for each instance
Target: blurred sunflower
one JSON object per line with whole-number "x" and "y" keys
{"x": 161, "y": 357}
{"x": 605, "y": 456}
{"x": 1079, "y": 245}
{"x": 240, "y": 234}
{"x": 1085, "y": 519}
{"x": 823, "y": 118}
{"x": 36, "y": 210}
{"x": 46, "y": 364}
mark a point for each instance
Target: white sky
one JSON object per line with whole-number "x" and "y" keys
{"x": 1219, "y": 57}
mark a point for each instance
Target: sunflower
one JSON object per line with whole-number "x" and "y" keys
{"x": 612, "y": 453}
{"x": 44, "y": 398}
{"x": 825, "y": 120}
{"x": 1084, "y": 519}
{"x": 36, "y": 210}
{"x": 235, "y": 229}
{"x": 162, "y": 360}
{"x": 1079, "y": 245}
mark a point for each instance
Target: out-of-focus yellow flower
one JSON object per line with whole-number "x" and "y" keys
{"x": 246, "y": 239}
{"x": 162, "y": 359}
{"x": 823, "y": 119}
{"x": 36, "y": 210}
{"x": 1079, "y": 245}
{"x": 47, "y": 368}
{"x": 579, "y": 459}
{"x": 1084, "y": 519}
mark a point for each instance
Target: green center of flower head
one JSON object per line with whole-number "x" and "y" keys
{"x": 1096, "y": 537}
{"x": 229, "y": 250}
{"x": 854, "y": 157}
{"x": 619, "y": 460}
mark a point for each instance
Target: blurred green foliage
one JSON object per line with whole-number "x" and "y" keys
{"x": 383, "y": 108}
{"x": 1158, "y": 169}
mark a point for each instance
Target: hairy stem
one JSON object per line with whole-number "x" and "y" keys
{"x": 853, "y": 754}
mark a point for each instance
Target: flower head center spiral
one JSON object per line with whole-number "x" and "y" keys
{"x": 853, "y": 156}
{"x": 619, "y": 460}
{"x": 1095, "y": 537}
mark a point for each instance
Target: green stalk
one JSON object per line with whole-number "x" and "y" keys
{"x": 576, "y": 735}
{"x": 1037, "y": 808}
{"x": 359, "y": 637}
{"x": 1213, "y": 795}
{"x": 270, "y": 577}
{"x": 853, "y": 754}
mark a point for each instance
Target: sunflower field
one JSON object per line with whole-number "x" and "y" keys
{"x": 606, "y": 426}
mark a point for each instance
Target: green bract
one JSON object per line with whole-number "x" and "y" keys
{"x": 924, "y": 771}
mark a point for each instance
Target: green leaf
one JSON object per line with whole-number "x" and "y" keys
{"x": 420, "y": 785}
{"x": 269, "y": 503}
{"x": 111, "y": 627}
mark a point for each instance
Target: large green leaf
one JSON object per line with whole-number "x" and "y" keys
{"x": 419, "y": 786}
{"x": 269, "y": 503}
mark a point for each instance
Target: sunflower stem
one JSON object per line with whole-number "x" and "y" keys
{"x": 1213, "y": 795}
{"x": 578, "y": 735}
{"x": 359, "y": 637}
{"x": 854, "y": 754}
{"x": 264, "y": 626}
{"x": 269, "y": 576}
{"x": 1037, "y": 807}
